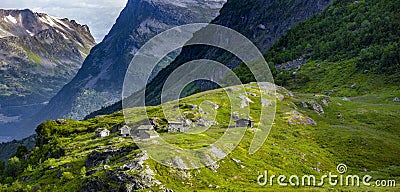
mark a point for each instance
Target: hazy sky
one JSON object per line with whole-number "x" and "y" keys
{"x": 99, "y": 15}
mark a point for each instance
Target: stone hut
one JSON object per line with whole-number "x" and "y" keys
{"x": 142, "y": 131}
{"x": 244, "y": 123}
{"x": 125, "y": 131}
{"x": 102, "y": 132}
{"x": 176, "y": 126}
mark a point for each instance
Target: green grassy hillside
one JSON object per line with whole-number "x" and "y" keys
{"x": 365, "y": 137}
{"x": 350, "y": 49}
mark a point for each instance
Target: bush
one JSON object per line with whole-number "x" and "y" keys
{"x": 13, "y": 167}
{"x": 67, "y": 176}
{"x": 21, "y": 151}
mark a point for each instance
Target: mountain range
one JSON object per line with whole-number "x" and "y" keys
{"x": 99, "y": 81}
{"x": 39, "y": 54}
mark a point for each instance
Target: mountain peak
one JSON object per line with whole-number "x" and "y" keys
{"x": 28, "y": 23}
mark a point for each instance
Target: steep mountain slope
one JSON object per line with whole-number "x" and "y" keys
{"x": 38, "y": 55}
{"x": 99, "y": 81}
{"x": 350, "y": 49}
{"x": 261, "y": 21}
{"x": 8, "y": 149}
{"x": 303, "y": 141}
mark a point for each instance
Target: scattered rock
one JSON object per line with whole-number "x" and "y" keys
{"x": 365, "y": 169}
{"x": 297, "y": 118}
{"x": 353, "y": 86}
{"x": 346, "y": 99}
{"x": 216, "y": 106}
{"x": 61, "y": 121}
{"x": 290, "y": 94}
{"x": 317, "y": 169}
{"x": 244, "y": 98}
{"x": 317, "y": 107}
{"x": 193, "y": 107}
{"x": 295, "y": 64}
{"x": 303, "y": 104}
{"x": 178, "y": 163}
{"x": 245, "y": 101}
{"x": 396, "y": 99}
{"x": 262, "y": 27}
{"x": 280, "y": 97}
{"x": 204, "y": 122}
{"x": 266, "y": 103}
{"x": 252, "y": 94}
{"x": 340, "y": 116}
{"x": 325, "y": 102}
{"x": 236, "y": 160}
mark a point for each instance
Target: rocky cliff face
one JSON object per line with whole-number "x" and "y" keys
{"x": 38, "y": 55}
{"x": 99, "y": 81}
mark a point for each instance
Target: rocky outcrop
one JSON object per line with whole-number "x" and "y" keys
{"x": 295, "y": 64}
{"x": 97, "y": 157}
{"x": 133, "y": 176}
{"x": 317, "y": 107}
{"x": 296, "y": 118}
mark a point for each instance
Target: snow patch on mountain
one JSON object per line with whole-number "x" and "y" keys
{"x": 11, "y": 19}
{"x": 30, "y": 33}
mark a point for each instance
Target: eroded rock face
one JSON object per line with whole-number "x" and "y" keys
{"x": 98, "y": 157}
{"x": 132, "y": 176}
